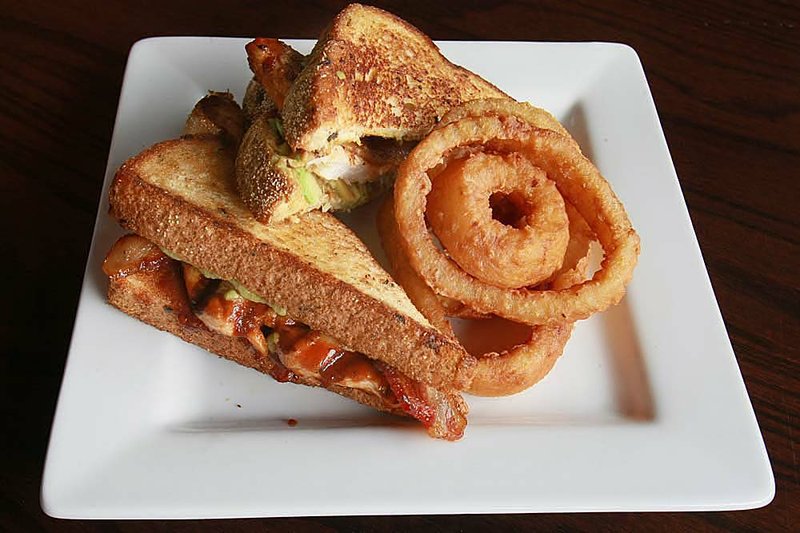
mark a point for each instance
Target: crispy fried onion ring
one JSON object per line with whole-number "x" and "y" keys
{"x": 503, "y": 107}
{"x": 578, "y": 181}
{"x": 419, "y": 293}
{"x": 576, "y": 259}
{"x": 499, "y": 218}
{"x": 519, "y": 368}
{"x": 515, "y": 369}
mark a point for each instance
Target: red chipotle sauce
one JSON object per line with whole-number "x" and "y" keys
{"x": 342, "y": 365}
{"x": 317, "y": 355}
{"x": 237, "y": 316}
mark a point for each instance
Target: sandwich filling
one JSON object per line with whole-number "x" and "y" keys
{"x": 297, "y": 352}
{"x": 277, "y": 182}
{"x": 369, "y": 159}
{"x": 275, "y": 67}
{"x": 341, "y": 179}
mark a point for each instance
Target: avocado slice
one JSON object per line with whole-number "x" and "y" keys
{"x": 312, "y": 192}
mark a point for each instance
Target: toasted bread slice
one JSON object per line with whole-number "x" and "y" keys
{"x": 180, "y": 194}
{"x": 374, "y": 74}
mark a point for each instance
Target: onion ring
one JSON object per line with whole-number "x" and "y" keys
{"x": 418, "y": 292}
{"x": 521, "y": 251}
{"x": 510, "y": 371}
{"x": 504, "y": 108}
{"x": 434, "y": 307}
{"x": 576, "y": 178}
{"x": 576, "y": 258}
{"x": 521, "y": 367}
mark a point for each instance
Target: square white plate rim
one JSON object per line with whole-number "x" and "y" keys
{"x": 701, "y": 451}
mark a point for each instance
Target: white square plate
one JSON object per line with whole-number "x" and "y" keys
{"x": 646, "y": 410}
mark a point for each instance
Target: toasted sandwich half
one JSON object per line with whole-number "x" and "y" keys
{"x": 303, "y": 301}
{"x": 350, "y": 112}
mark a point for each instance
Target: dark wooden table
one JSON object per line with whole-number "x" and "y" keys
{"x": 725, "y": 78}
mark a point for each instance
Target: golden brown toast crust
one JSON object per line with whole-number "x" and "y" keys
{"x": 372, "y": 73}
{"x": 266, "y": 189}
{"x": 139, "y": 295}
{"x": 180, "y": 195}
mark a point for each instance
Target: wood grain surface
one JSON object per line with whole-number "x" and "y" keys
{"x": 726, "y": 80}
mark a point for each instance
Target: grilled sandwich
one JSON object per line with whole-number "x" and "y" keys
{"x": 349, "y": 113}
{"x": 302, "y": 301}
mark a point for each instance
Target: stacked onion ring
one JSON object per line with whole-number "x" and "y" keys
{"x": 514, "y": 206}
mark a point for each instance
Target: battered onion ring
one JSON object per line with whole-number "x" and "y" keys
{"x": 510, "y": 371}
{"x": 456, "y": 309}
{"x": 434, "y": 307}
{"x": 576, "y": 258}
{"x": 418, "y": 292}
{"x": 505, "y": 108}
{"x": 512, "y": 253}
{"x": 521, "y": 367}
{"x": 579, "y": 182}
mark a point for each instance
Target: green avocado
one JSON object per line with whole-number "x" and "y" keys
{"x": 311, "y": 190}
{"x": 272, "y": 342}
{"x": 247, "y": 295}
